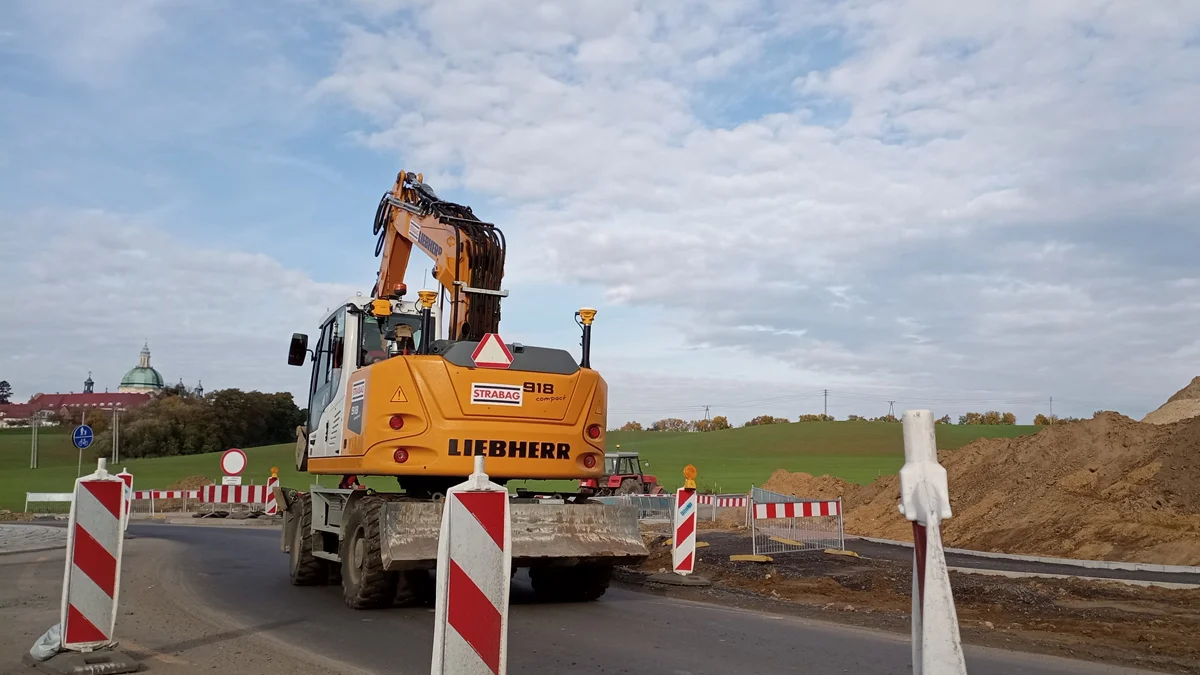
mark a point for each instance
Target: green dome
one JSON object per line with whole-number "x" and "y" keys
{"x": 142, "y": 377}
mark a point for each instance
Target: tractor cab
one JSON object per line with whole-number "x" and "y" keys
{"x": 622, "y": 475}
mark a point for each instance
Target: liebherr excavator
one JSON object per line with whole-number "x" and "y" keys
{"x": 390, "y": 396}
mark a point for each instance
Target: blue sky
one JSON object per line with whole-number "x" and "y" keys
{"x": 951, "y": 207}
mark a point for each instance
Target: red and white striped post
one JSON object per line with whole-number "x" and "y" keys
{"x": 683, "y": 542}
{"x": 128, "y": 478}
{"x": 92, "y": 579}
{"x": 272, "y": 506}
{"x": 925, "y": 500}
{"x": 474, "y": 565}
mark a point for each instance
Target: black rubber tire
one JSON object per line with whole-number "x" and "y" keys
{"x": 630, "y": 486}
{"x": 365, "y": 584}
{"x": 581, "y": 583}
{"x": 305, "y": 568}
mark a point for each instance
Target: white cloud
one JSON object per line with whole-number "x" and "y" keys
{"x": 91, "y": 286}
{"x": 888, "y": 197}
{"x": 1020, "y": 129}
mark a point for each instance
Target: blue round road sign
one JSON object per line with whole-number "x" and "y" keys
{"x": 82, "y": 436}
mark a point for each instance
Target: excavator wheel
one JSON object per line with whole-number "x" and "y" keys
{"x": 305, "y": 568}
{"x": 365, "y": 584}
{"x": 580, "y": 583}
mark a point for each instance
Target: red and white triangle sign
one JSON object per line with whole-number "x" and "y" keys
{"x": 491, "y": 352}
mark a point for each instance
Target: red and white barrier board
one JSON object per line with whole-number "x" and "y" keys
{"x": 234, "y": 494}
{"x": 473, "y": 578}
{"x": 139, "y": 495}
{"x": 722, "y": 502}
{"x": 92, "y": 579}
{"x": 272, "y": 508}
{"x": 797, "y": 510}
{"x": 683, "y": 543}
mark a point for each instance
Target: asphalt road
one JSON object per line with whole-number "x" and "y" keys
{"x": 242, "y": 573}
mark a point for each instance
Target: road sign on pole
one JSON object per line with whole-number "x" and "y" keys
{"x": 233, "y": 462}
{"x": 82, "y": 436}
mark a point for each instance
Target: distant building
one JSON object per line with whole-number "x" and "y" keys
{"x": 138, "y": 386}
{"x": 142, "y": 379}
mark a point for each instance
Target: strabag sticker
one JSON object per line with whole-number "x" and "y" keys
{"x": 497, "y": 394}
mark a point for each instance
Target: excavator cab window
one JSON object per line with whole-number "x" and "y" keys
{"x": 396, "y": 334}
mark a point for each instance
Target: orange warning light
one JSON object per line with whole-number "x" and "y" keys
{"x": 689, "y": 474}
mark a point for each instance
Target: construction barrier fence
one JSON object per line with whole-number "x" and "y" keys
{"x": 721, "y": 501}
{"x": 211, "y": 498}
{"x": 651, "y": 508}
{"x": 784, "y": 524}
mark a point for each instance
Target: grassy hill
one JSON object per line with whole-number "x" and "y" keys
{"x": 727, "y": 461}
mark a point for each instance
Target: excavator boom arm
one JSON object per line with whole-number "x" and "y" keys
{"x": 468, "y": 254}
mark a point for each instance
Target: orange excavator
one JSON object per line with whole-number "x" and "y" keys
{"x": 390, "y": 396}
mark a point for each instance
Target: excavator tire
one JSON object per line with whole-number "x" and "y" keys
{"x": 581, "y": 583}
{"x": 365, "y": 584}
{"x": 305, "y": 568}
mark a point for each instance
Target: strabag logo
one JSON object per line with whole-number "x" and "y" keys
{"x": 497, "y": 394}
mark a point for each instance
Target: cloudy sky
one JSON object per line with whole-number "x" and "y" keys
{"x": 943, "y": 204}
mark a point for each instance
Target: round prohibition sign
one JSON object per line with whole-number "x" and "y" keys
{"x": 233, "y": 462}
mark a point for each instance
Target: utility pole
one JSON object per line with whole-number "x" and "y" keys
{"x": 33, "y": 451}
{"x": 1051, "y": 410}
{"x": 826, "y": 414}
{"x": 705, "y": 412}
{"x": 891, "y": 409}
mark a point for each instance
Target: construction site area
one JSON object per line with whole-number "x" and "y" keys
{"x": 1108, "y": 488}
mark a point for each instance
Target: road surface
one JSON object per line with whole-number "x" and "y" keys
{"x": 241, "y": 573}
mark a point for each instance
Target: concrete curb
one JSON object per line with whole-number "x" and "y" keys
{"x": 34, "y": 550}
{"x": 1090, "y": 564}
{"x": 1042, "y": 575}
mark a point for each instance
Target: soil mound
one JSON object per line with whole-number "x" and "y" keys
{"x": 191, "y": 483}
{"x": 1107, "y": 488}
{"x": 1185, "y": 404}
{"x": 808, "y": 486}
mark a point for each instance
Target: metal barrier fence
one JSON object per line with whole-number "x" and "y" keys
{"x": 651, "y": 508}
{"x": 53, "y": 503}
{"x": 724, "y": 501}
{"x": 785, "y": 524}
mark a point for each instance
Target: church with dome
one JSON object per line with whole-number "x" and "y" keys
{"x": 143, "y": 378}
{"x": 141, "y": 384}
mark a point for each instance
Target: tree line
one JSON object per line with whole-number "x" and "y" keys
{"x": 989, "y": 417}
{"x": 177, "y": 422}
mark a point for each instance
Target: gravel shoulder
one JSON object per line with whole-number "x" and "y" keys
{"x": 1095, "y": 620}
{"x": 160, "y": 621}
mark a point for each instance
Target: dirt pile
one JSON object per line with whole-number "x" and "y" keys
{"x": 191, "y": 483}
{"x": 808, "y": 486}
{"x": 1107, "y": 488}
{"x": 1185, "y": 404}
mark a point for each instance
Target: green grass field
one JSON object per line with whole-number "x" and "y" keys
{"x": 727, "y": 461}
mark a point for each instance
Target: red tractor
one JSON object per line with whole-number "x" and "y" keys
{"x": 622, "y": 476}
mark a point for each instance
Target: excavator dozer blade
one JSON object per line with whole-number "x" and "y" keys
{"x": 541, "y": 534}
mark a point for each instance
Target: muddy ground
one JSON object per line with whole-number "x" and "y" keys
{"x": 1147, "y": 627}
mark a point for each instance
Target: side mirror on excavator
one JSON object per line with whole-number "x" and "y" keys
{"x": 298, "y": 349}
